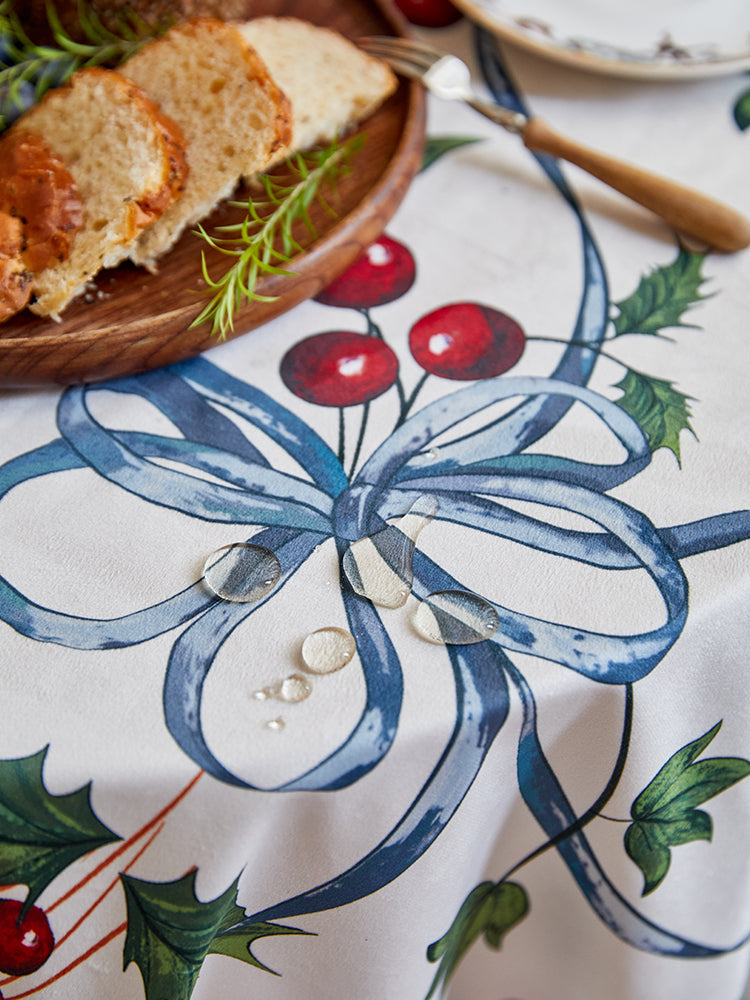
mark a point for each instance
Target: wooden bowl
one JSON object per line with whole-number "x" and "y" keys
{"x": 133, "y": 321}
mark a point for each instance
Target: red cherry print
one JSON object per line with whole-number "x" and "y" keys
{"x": 339, "y": 368}
{"x": 465, "y": 340}
{"x": 429, "y": 13}
{"x": 383, "y": 273}
{"x": 26, "y": 946}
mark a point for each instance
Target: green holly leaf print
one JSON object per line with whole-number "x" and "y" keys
{"x": 491, "y": 909}
{"x": 41, "y": 833}
{"x": 665, "y": 814}
{"x": 170, "y": 932}
{"x": 742, "y": 111}
{"x": 662, "y": 297}
{"x": 437, "y": 146}
{"x": 660, "y": 410}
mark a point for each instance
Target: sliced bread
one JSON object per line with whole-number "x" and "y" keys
{"x": 125, "y": 158}
{"x": 233, "y": 115}
{"x": 330, "y": 83}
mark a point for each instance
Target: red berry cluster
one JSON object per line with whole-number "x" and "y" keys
{"x": 461, "y": 340}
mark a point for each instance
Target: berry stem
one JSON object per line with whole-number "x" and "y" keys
{"x": 406, "y": 404}
{"x": 360, "y": 439}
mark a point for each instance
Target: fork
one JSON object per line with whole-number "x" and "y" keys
{"x": 448, "y": 77}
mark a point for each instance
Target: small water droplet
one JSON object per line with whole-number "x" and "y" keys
{"x": 433, "y": 453}
{"x": 242, "y": 572}
{"x": 328, "y": 650}
{"x": 455, "y": 617}
{"x": 292, "y": 688}
{"x": 379, "y": 567}
{"x": 275, "y": 724}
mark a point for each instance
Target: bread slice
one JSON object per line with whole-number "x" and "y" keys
{"x": 330, "y": 83}
{"x": 125, "y": 158}
{"x": 233, "y": 115}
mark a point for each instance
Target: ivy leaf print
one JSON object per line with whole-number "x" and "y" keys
{"x": 742, "y": 111}
{"x": 665, "y": 813}
{"x": 41, "y": 833}
{"x": 662, "y": 297}
{"x": 437, "y": 146}
{"x": 170, "y": 932}
{"x": 660, "y": 410}
{"x": 491, "y": 909}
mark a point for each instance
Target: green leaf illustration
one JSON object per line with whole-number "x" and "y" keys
{"x": 437, "y": 146}
{"x": 40, "y": 833}
{"x": 742, "y": 111}
{"x": 660, "y": 410}
{"x": 665, "y": 813}
{"x": 491, "y": 909}
{"x": 662, "y": 297}
{"x": 170, "y": 932}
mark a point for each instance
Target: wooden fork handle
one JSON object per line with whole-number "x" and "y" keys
{"x": 695, "y": 214}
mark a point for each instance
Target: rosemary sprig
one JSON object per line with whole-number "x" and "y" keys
{"x": 265, "y": 241}
{"x": 28, "y": 70}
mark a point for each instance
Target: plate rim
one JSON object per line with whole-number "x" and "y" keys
{"x": 643, "y": 69}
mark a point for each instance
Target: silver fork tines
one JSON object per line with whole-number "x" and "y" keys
{"x": 446, "y": 76}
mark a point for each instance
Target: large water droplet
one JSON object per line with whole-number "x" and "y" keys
{"x": 455, "y": 617}
{"x": 379, "y": 567}
{"x": 293, "y": 688}
{"x": 242, "y": 572}
{"x": 327, "y": 650}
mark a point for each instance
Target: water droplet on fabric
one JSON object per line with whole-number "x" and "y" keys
{"x": 327, "y": 650}
{"x": 293, "y": 688}
{"x": 455, "y": 617}
{"x": 379, "y": 567}
{"x": 275, "y": 724}
{"x": 242, "y": 572}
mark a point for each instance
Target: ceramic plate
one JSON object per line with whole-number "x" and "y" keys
{"x": 651, "y": 39}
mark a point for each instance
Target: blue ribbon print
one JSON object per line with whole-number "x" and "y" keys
{"x": 486, "y": 461}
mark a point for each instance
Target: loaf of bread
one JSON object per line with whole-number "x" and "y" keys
{"x": 126, "y": 160}
{"x": 331, "y": 84}
{"x": 233, "y": 115}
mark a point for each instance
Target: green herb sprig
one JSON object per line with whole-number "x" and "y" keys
{"x": 28, "y": 70}
{"x": 264, "y": 243}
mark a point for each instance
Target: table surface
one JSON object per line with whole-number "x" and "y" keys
{"x": 556, "y": 812}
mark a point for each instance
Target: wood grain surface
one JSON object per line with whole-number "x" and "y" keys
{"x": 133, "y": 321}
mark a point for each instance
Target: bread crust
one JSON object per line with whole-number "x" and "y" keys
{"x": 15, "y": 278}
{"x": 37, "y": 188}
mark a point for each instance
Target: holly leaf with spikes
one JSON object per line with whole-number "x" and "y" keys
{"x": 41, "y": 833}
{"x": 662, "y": 297}
{"x": 660, "y": 410}
{"x": 491, "y": 909}
{"x": 665, "y": 814}
{"x": 170, "y": 932}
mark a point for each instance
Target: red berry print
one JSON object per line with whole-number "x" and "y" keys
{"x": 383, "y": 273}
{"x": 24, "y": 946}
{"x": 339, "y": 368}
{"x": 429, "y": 13}
{"x": 465, "y": 341}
